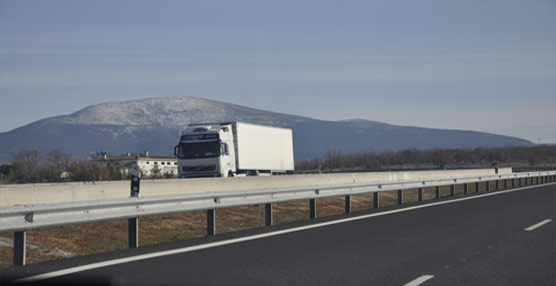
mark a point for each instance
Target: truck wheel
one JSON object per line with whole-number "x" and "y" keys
{"x": 230, "y": 174}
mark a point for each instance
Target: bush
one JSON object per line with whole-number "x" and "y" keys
{"x": 88, "y": 171}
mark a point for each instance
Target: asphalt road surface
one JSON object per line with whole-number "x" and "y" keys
{"x": 503, "y": 238}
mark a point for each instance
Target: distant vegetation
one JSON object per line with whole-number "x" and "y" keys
{"x": 538, "y": 156}
{"x": 30, "y": 166}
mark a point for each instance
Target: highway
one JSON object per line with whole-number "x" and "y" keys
{"x": 497, "y": 238}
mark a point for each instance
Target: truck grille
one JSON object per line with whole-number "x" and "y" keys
{"x": 202, "y": 168}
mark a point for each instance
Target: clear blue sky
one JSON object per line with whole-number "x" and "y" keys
{"x": 479, "y": 65}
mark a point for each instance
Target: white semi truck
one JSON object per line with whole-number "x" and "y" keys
{"x": 234, "y": 149}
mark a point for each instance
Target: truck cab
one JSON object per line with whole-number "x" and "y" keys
{"x": 234, "y": 149}
{"x": 206, "y": 151}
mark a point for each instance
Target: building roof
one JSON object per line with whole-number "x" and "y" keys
{"x": 136, "y": 156}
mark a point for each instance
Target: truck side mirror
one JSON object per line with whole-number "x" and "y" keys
{"x": 176, "y": 150}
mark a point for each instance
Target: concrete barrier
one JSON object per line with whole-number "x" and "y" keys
{"x": 82, "y": 191}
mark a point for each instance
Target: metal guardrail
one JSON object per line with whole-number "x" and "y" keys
{"x": 21, "y": 218}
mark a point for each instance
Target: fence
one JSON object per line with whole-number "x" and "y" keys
{"x": 19, "y": 219}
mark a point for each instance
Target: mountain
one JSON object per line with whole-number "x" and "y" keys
{"x": 155, "y": 124}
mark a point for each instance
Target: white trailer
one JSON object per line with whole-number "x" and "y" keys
{"x": 234, "y": 149}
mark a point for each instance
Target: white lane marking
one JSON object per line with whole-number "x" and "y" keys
{"x": 248, "y": 238}
{"x": 535, "y": 226}
{"x": 419, "y": 280}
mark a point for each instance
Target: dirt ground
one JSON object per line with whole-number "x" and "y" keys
{"x": 76, "y": 240}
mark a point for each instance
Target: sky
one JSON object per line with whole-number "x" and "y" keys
{"x": 484, "y": 65}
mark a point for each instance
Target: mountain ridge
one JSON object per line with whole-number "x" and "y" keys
{"x": 154, "y": 124}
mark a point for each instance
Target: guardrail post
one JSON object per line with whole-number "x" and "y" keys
{"x": 513, "y": 183}
{"x": 487, "y": 186}
{"x": 375, "y": 201}
{"x": 268, "y": 214}
{"x": 505, "y": 184}
{"x": 211, "y": 222}
{"x": 420, "y": 194}
{"x": 133, "y": 232}
{"x": 133, "y": 223}
{"x": 312, "y": 208}
{"x": 452, "y": 190}
{"x": 437, "y": 192}
{"x": 465, "y": 188}
{"x": 400, "y": 197}
{"x": 135, "y": 183}
{"x": 20, "y": 238}
{"x": 497, "y": 185}
{"x": 477, "y": 186}
{"x": 348, "y": 204}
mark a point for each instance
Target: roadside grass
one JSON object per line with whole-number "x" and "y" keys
{"x": 107, "y": 245}
{"x": 411, "y": 195}
{"x": 429, "y": 193}
{"x": 290, "y": 211}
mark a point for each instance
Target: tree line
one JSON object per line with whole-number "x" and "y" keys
{"x": 30, "y": 166}
{"x": 538, "y": 156}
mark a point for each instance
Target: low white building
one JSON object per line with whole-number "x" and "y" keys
{"x": 147, "y": 164}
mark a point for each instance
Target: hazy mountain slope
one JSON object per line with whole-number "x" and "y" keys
{"x": 155, "y": 124}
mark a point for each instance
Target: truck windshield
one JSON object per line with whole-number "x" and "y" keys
{"x": 199, "y": 150}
